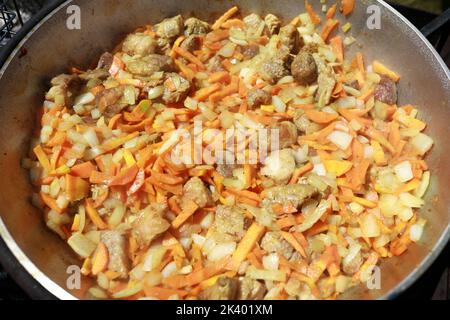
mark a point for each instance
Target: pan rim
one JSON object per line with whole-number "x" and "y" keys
{"x": 26, "y": 266}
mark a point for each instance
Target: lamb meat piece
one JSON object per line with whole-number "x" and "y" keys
{"x": 304, "y": 68}
{"x": 170, "y": 28}
{"x": 176, "y": 88}
{"x": 139, "y": 44}
{"x": 150, "y": 224}
{"x": 108, "y": 97}
{"x": 65, "y": 88}
{"x": 215, "y": 64}
{"x": 115, "y": 242}
{"x": 386, "y": 91}
{"x": 250, "y": 51}
{"x": 191, "y": 43}
{"x": 296, "y": 194}
{"x": 224, "y": 289}
{"x": 196, "y": 26}
{"x": 273, "y": 23}
{"x": 250, "y": 289}
{"x": 273, "y": 70}
{"x": 290, "y": 38}
{"x": 229, "y": 221}
{"x": 258, "y": 97}
{"x": 226, "y": 170}
{"x": 287, "y": 134}
{"x": 196, "y": 191}
{"x": 273, "y": 242}
{"x": 150, "y": 64}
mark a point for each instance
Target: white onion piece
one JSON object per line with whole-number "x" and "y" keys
{"x": 404, "y": 172}
{"x": 341, "y": 139}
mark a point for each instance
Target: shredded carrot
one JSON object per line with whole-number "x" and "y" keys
{"x": 253, "y": 234}
{"x": 83, "y": 170}
{"x": 289, "y": 237}
{"x": 126, "y": 176}
{"x": 163, "y": 293}
{"x": 331, "y": 11}
{"x": 189, "y": 56}
{"x": 94, "y": 216}
{"x": 312, "y": 14}
{"x": 328, "y": 28}
{"x": 338, "y": 48}
{"x": 347, "y": 6}
{"x": 300, "y": 172}
{"x": 320, "y": 117}
{"x": 188, "y": 210}
{"x": 227, "y": 15}
{"x": 204, "y": 93}
{"x": 101, "y": 259}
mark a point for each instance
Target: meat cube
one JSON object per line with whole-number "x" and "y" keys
{"x": 191, "y": 43}
{"x": 196, "y": 26}
{"x": 296, "y": 194}
{"x": 273, "y": 242}
{"x": 287, "y": 134}
{"x": 108, "y": 97}
{"x": 196, "y": 191}
{"x": 273, "y": 23}
{"x": 352, "y": 265}
{"x": 304, "y": 124}
{"x": 304, "y": 68}
{"x": 386, "y": 91}
{"x": 250, "y": 51}
{"x": 279, "y": 165}
{"x": 176, "y": 88}
{"x": 150, "y": 64}
{"x": 65, "y": 89}
{"x": 230, "y": 221}
{"x": 139, "y": 44}
{"x": 150, "y": 224}
{"x": 170, "y": 28}
{"x": 326, "y": 83}
{"x": 224, "y": 289}
{"x": 273, "y": 70}
{"x": 258, "y": 97}
{"x": 252, "y": 21}
{"x": 115, "y": 242}
{"x": 250, "y": 289}
{"x": 290, "y": 38}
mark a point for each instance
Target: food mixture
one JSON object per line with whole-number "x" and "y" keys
{"x": 336, "y": 194}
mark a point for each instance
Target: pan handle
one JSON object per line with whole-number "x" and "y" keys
{"x": 441, "y": 22}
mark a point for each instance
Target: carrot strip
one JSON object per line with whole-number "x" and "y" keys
{"x": 42, "y": 158}
{"x": 320, "y": 117}
{"x": 347, "y": 7}
{"x": 189, "y": 209}
{"x": 289, "y": 237}
{"x": 51, "y": 203}
{"x": 126, "y": 176}
{"x": 251, "y": 237}
{"x": 312, "y": 14}
{"x": 337, "y": 47}
{"x": 227, "y": 15}
{"x": 300, "y": 172}
{"x": 204, "y": 93}
{"x": 331, "y": 11}
{"x": 101, "y": 259}
{"x": 220, "y": 76}
{"x": 83, "y": 170}
{"x": 163, "y": 293}
{"x": 94, "y": 216}
{"x": 328, "y": 28}
{"x": 166, "y": 178}
{"x": 190, "y": 57}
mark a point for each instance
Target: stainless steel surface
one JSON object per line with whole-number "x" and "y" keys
{"x": 50, "y": 48}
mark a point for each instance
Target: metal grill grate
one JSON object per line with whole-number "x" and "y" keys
{"x": 10, "y": 20}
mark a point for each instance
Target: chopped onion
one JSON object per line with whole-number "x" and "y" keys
{"x": 312, "y": 218}
{"x": 408, "y": 200}
{"x": 369, "y": 226}
{"x": 279, "y": 105}
{"x": 153, "y": 257}
{"x": 221, "y": 250}
{"x": 84, "y": 98}
{"x": 271, "y": 261}
{"x": 422, "y": 143}
{"x": 404, "y": 172}
{"x": 423, "y": 186}
{"x": 341, "y": 139}
{"x": 91, "y": 137}
{"x": 82, "y": 245}
{"x": 389, "y": 205}
{"x": 155, "y": 92}
{"x": 169, "y": 269}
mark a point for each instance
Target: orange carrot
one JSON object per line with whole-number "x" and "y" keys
{"x": 94, "y": 216}
{"x": 251, "y": 237}
{"x": 312, "y": 14}
{"x": 338, "y": 48}
{"x": 42, "y": 157}
{"x": 300, "y": 172}
{"x": 219, "y": 76}
{"x": 167, "y": 178}
{"x": 101, "y": 258}
{"x": 204, "y": 93}
{"x": 83, "y": 170}
{"x": 320, "y": 117}
{"x": 50, "y": 202}
{"x": 331, "y": 11}
{"x": 124, "y": 177}
{"x": 328, "y": 28}
{"x": 189, "y": 209}
{"x": 227, "y": 15}
{"x": 175, "y": 189}
{"x": 190, "y": 57}
{"x": 289, "y": 237}
{"x": 163, "y": 293}
{"x": 76, "y": 187}
{"x": 347, "y": 6}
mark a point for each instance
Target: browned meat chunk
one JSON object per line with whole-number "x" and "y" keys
{"x": 108, "y": 97}
{"x": 65, "y": 89}
{"x": 250, "y": 51}
{"x": 116, "y": 244}
{"x": 273, "y": 70}
{"x": 170, "y": 28}
{"x": 296, "y": 194}
{"x": 287, "y": 134}
{"x": 386, "y": 91}
{"x": 273, "y": 23}
{"x": 229, "y": 221}
{"x": 176, "y": 88}
{"x": 290, "y": 38}
{"x": 224, "y": 289}
{"x": 226, "y": 170}
{"x": 191, "y": 43}
{"x": 150, "y": 224}
{"x": 196, "y": 191}
{"x": 150, "y": 64}
{"x": 304, "y": 124}
{"x": 354, "y": 84}
{"x": 273, "y": 242}
{"x": 195, "y": 26}
{"x": 252, "y": 21}
{"x": 105, "y": 61}
{"x": 215, "y": 64}
{"x": 258, "y": 97}
{"x": 139, "y": 44}
{"x": 250, "y": 289}
{"x": 304, "y": 68}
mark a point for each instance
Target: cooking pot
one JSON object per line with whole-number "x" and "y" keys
{"x": 39, "y": 260}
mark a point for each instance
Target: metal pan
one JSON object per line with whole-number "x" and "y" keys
{"x": 34, "y": 255}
